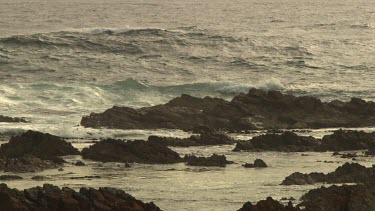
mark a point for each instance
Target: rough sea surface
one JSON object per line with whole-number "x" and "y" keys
{"x": 62, "y": 59}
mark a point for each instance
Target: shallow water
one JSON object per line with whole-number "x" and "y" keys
{"x": 197, "y": 188}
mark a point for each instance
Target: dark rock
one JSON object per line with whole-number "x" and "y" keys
{"x": 344, "y": 140}
{"x": 338, "y": 198}
{"x": 258, "y": 163}
{"x": 41, "y": 145}
{"x": 347, "y": 173}
{"x": 10, "y": 177}
{"x": 303, "y": 179}
{"x": 50, "y": 197}
{"x": 214, "y": 160}
{"x": 40, "y": 178}
{"x": 288, "y": 199}
{"x": 349, "y": 155}
{"x": 138, "y": 151}
{"x": 268, "y": 205}
{"x": 12, "y": 119}
{"x": 287, "y": 141}
{"x": 204, "y": 139}
{"x": 87, "y": 177}
{"x": 60, "y": 169}
{"x": 254, "y": 110}
{"x": 27, "y": 164}
{"x": 80, "y": 163}
{"x": 127, "y": 165}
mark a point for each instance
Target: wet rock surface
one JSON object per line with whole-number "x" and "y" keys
{"x": 214, "y": 160}
{"x": 254, "y": 110}
{"x": 347, "y": 173}
{"x": 139, "y": 151}
{"x": 27, "y": 164}
{"x": 53, "y": 198}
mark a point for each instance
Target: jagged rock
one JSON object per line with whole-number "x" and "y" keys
{"x": 298, "y": 178}
{"x": 268, "y": 205}
{"x": 338, "y": 198}
{"x": 344, "y": 140}
{"x": 41, "y": 145}
{"x": 10, "y": 177}
{"x": 204, "y": 139}
{"x": 138, "y": 151}
{"x": 50, "y": 197}
{"x": 214, "y": 160}
{"x": 287, "y": 141}
{"x": 258, "y": 163}
{"x": 347, "y": 173}
{"x": 254, "y": 110}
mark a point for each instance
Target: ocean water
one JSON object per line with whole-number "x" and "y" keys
{"x": 62, "y": 59}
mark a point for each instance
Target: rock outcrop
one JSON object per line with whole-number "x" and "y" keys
{"x": 50, "y": 197}
{"x": 34, "y": 151}
{"x": 11, "y": 119}
{"x": 111, "y": 150}
{"x": 287, "y": 141}
{"x": 37, "y": 144}
{"x": 214, "y": 160}
{"x": 268, "y": 205}
{"x": 343, "y": 140}
{"x": 340, "y": 140}
{"x": 254, "y": 110}
{"x": 204, "y": 139}
{"x": 347, "y": 173}
{"x": 338, "y": 198}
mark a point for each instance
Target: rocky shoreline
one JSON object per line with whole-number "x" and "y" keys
{"x": 34, "y": 151}
{"x": 256, "y": 109}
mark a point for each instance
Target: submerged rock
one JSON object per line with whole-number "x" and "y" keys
{"x": 347, "y": 173}
{"x": 80, "y": 163}
{"x": 258, "y": 163}
{"x": 268, "y": 205}
{"x": 254, "y": 110}
{"x": 214, "y": 160}
{"x": 40, "y": 178}
{"x": 50, "y": 197}
{"x": 27, "y": 164}
{"x": 111, "y": 150}
{"x": 10, "y": 177}
{"x": 287, "y": 141}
